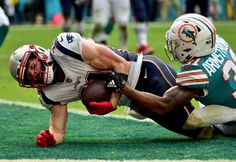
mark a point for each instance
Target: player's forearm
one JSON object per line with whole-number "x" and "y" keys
{"x": 147, "y": 101}
{"x": 58, "y": 122}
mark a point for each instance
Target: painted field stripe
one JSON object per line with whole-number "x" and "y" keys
{"x": 71, "y": 110}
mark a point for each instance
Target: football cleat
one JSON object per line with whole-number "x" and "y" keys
{"x": 145, "y": 49}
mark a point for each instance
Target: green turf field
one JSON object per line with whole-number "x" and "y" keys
{"x": 104, "y": 138}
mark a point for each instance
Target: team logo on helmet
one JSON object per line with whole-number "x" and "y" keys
{"x": 188, "y": 33}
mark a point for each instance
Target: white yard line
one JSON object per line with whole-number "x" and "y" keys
{"x": 71, "y": 110}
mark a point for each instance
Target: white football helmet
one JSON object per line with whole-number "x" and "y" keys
{"x": 191, "y": 35}
{"x": 18, "y": 65}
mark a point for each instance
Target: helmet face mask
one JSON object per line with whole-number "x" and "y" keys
{"x": 170, "y": 48}
{"x": 37, "y": 75}
{"x": 190, "y": 36}
{"x": 34, "y": 73}
{"x": 172, "y": 52}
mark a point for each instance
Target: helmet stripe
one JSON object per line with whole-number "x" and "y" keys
{"x": 211, "y": 30}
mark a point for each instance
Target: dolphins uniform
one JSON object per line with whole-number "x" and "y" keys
{"x": 215, "y": 73}
{"x": 147, "y": 73}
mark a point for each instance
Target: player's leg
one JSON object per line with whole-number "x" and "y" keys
{"x": 227, "y": 129}
{"x": 204, "y": 7}
{"x": 190, "y": 6}
{"x": 140, "y": 14}
{"x": 79, "y": 10}
{"x": 4, "y": 26}
{"x": 100, "y": 16}
{"x": 177, "y": 6}
{"x": 3, "y": 33}
{"x": 107, "y": 31}
{"x": 66, "y": 8}
{"x": 165, "y": 5}
{"x": 209, "y": 115}
{"x": 121, "y": 14}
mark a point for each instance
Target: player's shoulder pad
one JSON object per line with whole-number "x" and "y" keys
{"x": 192, "y": 76}
{"x": 69, "y": 44}
{"x": 68, "y": 38}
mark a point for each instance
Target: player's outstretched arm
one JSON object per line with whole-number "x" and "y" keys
{"x": 173, "y": 98}
{"x": 56, "y": 133}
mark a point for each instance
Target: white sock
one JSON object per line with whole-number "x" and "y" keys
{"x": 103, "y": 36}
{"x": 141, "y": 32}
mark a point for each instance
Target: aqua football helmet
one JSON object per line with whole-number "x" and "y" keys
{"x": 18, "y": 66}
{"x": 190, "y": 36}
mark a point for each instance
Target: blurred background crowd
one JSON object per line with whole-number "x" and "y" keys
{"x": 50, "y": 11}
{"x": 104, "y": 14}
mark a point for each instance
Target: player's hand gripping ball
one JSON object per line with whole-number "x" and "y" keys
{"x": 96, "y": 97}
{"x": 96, "y": 90}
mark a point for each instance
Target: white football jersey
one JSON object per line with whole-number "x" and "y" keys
{"x": 3, "y": 18}
{"x": 67, "y": 52}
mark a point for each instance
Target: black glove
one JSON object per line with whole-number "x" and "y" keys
{"x": 115, "y": 81}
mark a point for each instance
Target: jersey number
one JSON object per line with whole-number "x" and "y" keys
{"x": 228, "y": 67}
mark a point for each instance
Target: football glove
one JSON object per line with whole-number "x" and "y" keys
{"x": 45, "y": 139}
{"x": 115, "y": 81}
{"x": 100, "y": 108}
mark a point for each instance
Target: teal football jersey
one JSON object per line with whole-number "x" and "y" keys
{"x": 215, "y": 73}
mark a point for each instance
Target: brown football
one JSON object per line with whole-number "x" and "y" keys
{"x": 95, "y": 91}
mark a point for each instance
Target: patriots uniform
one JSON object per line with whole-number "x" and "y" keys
{"x": 67, "y": 53}
{"x": 215, "y": 73}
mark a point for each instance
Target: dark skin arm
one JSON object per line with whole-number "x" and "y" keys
{"x": 173, "y": 98}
